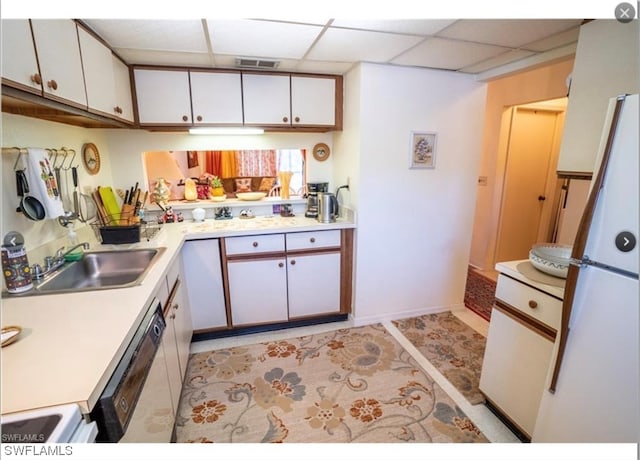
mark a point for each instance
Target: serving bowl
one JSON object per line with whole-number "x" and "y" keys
{"x": 251, "y": 196}
{"x": 552, "y": 259}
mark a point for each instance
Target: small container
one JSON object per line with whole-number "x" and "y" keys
{"x": 198, "y": 214}
{"x": 16, "y": 270}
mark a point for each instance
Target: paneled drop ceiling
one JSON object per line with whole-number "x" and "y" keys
{"x": 475, "y": 46}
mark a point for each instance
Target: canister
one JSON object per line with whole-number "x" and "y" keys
{"x": 16, "y": 270}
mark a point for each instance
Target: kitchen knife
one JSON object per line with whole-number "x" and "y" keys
{"x": 74, "y": 174}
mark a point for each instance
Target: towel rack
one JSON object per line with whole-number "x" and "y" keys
{"x": 62, "y": 151}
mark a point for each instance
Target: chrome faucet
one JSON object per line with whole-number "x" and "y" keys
{"x": 52, "y": 263}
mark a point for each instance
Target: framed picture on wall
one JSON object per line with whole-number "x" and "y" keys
{"x": 423, "y": 150}
{"x": 192, "y": 159}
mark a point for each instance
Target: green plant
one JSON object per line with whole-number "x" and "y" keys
{"x": 215, "y": 182}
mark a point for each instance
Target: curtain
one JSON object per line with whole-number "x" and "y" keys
{"x": 213, "y": 162}
{"x": 252, "y": 163}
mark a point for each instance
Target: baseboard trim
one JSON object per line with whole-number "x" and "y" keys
{"x": 373, "y": 319}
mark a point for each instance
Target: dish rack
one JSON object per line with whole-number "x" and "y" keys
{"x": 121, "y": 231}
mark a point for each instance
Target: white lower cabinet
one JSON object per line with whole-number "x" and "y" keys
{"x": 314, "y": 284}
{"x": 258, "y": 291}
{"x": 519, "y": 350}
{"x": 203, "y": 281}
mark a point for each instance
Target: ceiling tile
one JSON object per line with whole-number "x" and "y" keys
{"x": 555, "y": 41}
{"x": 447, "y": 54}
{"x": 401, "y": 26}
{"x": 512, "y": 33}
{"x": 166, "y": 35}
{"x": 502, "y": 59}
{"x": 254, "y": 38}
{"x": 346, "y": 45}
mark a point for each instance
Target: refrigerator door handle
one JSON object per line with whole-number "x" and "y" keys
{"x": 577, "y": 254}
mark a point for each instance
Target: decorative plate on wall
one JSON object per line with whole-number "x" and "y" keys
{"x": 91, "y": 158}
{"x": 321, "y": 152}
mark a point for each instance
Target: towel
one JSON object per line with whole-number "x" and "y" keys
{"x": 42, "y": 182}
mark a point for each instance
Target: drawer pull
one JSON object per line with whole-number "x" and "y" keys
{"x": 313, "y": 240}
{"x": 293, "y": 262}
{"x": 185, "y": 118}
{"x": 533, "y": 304}
{"x": 255, "y": 244}
{"x": 281, "y": 265}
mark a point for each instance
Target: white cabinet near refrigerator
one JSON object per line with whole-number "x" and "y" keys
{"x": 520, "y": 343}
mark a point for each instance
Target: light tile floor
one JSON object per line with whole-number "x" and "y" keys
{"x": 484, "y": 419}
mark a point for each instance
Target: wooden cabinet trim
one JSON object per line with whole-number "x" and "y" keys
{"x": 346, "y": 271}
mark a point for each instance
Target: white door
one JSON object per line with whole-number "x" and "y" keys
{"x": 203, "y": 283}
{"x": 258, "y": 291}
{"x": 596, "y": 397}
{"x": 122, "y": 81}
{"x": 314, "y": 284}
{"x": 266, "y": 99}
{"x": 313, "y": 101}
{"x": 163, "y": 96}
{"x": 59, "y": 57}
{"x": 97, "y": 63}
{"x": 19, "y": 62}
{"x": 217, "y": 98}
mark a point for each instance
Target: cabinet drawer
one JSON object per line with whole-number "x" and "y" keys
{"x": 254, "y": 244}
{"x": 530, "y": 301}
{"x": 313, "y": 240}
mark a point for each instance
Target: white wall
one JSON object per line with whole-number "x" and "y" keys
{"x": 414, "y": 226}
{"x": 19, "y": 131}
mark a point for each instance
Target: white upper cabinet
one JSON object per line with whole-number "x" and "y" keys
{"x": 163, "y": 96}
{"x": 313, "y": 101}
{"x": 122, "y": 81}
{"x": 59, "y": 57}
{"x": 606, "y": 65}
{"x": 216, "y": 98}
{"x": 19, "y": 63}
{"x": 266, "y": 99}
{"x": 97, "y": 63}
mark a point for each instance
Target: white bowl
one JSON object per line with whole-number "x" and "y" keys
{"x": 198, "y": 214}
{"x": 550, "y": 258}
{"x": 251, "y": 196}
{"x": 219, "y": 198}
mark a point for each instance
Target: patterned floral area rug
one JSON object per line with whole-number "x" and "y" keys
{"x": 348, "y": 385}
{"x": 454, "y": 348}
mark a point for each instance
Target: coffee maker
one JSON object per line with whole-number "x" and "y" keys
{"x": 313, "y": 189}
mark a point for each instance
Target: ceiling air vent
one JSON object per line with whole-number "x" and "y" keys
{"x": 254, "y": 63}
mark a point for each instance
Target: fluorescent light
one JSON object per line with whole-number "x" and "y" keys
{"x": 230, "y": 131}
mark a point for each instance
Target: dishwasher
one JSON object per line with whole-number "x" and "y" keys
{"x": 138, "y": 386}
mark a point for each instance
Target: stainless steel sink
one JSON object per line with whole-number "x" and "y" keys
{"x": 100, "y": 270}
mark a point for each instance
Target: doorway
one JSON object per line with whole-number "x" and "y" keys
{"x": 530, "y": 189}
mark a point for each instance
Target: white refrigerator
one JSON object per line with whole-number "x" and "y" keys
{"x": 592, "y": 392}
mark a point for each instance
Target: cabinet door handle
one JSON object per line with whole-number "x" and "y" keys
{"x": 285, "y": 119}
{"x": 533, "y": 304}
{"x": 176, "y": 306}
{"x": 280, "y": 265}
{"x": 312, "y": 240}
{"x": 255, "y": 244}
{"x": 297, "y": 119}
{"x": 293, "y": 262}
{"x": 173, "y": 316}
{"x": 36, "y": 78}
{"x": 185, "y": 118}
{"x": 52, "y": 84}
{"x": 199, "y": 118}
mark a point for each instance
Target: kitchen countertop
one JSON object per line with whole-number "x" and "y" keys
{"x": 523, "y": 270}
{"x": 71, "y": 343}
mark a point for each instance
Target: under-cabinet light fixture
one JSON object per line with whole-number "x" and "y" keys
{"x": 229, "y": 131}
